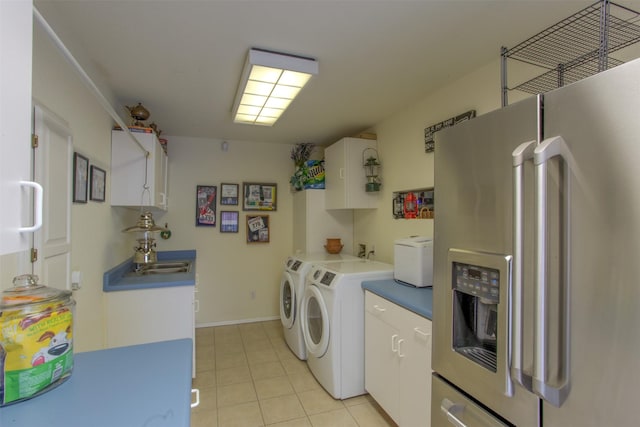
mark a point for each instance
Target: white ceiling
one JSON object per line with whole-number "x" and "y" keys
{"x": 182, "y": 59}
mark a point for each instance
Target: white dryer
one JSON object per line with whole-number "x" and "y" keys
{"x": 291, "y": 290}
{"x": 333, "y": 323}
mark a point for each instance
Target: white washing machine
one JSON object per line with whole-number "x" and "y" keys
{"x": 333, "y": 323}
{"x": 291, "y": 290}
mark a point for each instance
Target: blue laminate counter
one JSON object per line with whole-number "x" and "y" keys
{"x": 142, "y": 385}
{"x": 117, "y": 280}
{"x": 418, "y": 300}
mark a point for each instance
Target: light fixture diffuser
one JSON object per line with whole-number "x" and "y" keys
{"x": 270, "y": 81}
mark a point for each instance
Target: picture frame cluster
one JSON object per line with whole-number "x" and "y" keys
{"x": 256, "y": 196}
{"x": 89, "y": 181}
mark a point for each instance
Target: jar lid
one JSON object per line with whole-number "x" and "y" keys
{"x": 26, "y": 290}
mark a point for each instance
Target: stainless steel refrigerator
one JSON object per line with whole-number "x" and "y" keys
{"x": 536, "y": 296}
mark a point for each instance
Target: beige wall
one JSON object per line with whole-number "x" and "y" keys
{"x": 406, "y": 166}
{"x": 237, "y": 281}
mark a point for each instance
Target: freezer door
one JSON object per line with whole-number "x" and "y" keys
{"x": 473, "y": 175}
{"x": 598, "y": 120}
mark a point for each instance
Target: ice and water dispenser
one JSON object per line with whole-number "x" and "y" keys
{"x": 476, "y": 295}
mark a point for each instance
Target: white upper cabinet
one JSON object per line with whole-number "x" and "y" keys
{"x": 345, "y": 177}
{"x": 16, "y": 189}
{"x": 128, "y": 166}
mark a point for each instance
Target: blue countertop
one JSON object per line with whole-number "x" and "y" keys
{"x": 418, "y": 300}
{"x": 142, "y": 385}
{"x": 117, "y": 280}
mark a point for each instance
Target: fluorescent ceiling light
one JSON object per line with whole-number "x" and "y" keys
{"x": 270, "y": 81}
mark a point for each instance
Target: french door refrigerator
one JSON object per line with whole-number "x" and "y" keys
{"x": 536, "y": 296}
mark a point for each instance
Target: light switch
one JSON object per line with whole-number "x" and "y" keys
{"x": 76, "y": 280}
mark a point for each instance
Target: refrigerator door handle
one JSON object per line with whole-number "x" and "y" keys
{"x": 557, "y": 392}
{"x": 523, "y": 153}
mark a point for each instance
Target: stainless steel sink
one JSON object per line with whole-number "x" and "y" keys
{"x": 161, "y": 267}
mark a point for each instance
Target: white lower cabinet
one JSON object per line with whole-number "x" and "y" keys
{"x": 398, "y": 361}
{"x": 149, "y": 315}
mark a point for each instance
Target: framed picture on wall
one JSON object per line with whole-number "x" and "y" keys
{"x": 98, "y": 183}
{"x": 259, "y": 197}
{"x": 229, "y": 194}
{"x": 80, "y": 178}
{"x": 206, "y": 205}
{"x": 229, "y": 221}
{"x": 258, "y": 229}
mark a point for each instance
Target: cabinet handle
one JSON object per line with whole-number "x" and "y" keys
{"x": 379, "y": 309}
{"x": 400, "y": 353}
{"x": 394, "y": 343}
{"x": 341, "y": 173}
{"x": 424, "y": 335}
{"x": 38, "y": 197}
{"x": 197, "y": 393}
{"x": 196, "y": 304}
{"x": 452, "y": 410}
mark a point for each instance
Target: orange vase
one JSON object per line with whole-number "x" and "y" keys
{"x": 333, "y": 246}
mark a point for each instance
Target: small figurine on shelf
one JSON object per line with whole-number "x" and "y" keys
{"x": 138, "y": 114}
{"x": 410, "y": 206}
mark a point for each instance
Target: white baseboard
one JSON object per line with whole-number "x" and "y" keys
{"x": 236, "y": 322}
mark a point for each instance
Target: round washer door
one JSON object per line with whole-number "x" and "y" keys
{"x": 288, "y": 300}
{"x": 315, "y": 322}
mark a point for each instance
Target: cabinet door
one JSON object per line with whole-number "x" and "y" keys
{"x": 149, "y": 315}
{"x": 334, "y": 173}
{"x": 381, "y": 373}
{"x": 131, "y": 171}
{"x": 415, "y": 370}
{"x": 345, "y": 177}
{"x": 16, "y": 23}
{"x": 160, "y": 178}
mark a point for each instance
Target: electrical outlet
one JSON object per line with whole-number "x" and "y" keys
{"x": 362, "y": 250}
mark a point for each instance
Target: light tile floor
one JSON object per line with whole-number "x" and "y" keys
{"x": 248, "y": 377}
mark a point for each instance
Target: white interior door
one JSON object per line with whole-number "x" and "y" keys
{"x": 52, "y": 168}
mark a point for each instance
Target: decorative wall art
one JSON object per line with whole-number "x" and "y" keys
{"x": 259, "y": 197}
{"x": 98, "y": 183}
{"x": 257, "y": 228}
{"x": 229, "y": 194}
{"x": 80, "y": 177}
{"x": 206, "y": 205}
{"x": 429, "y": 143}
{"x": 229, "y": 221}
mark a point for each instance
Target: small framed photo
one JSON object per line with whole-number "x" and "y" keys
{"x": 98, "y": 183}
{"x": 229, "y": 194}
{"x": 259, "y": 197}
{"x": 229, "y": 221}
{"x": 258, "y": 229}
{"x": 80, "y": 178}
{"x": 206, "y": 205}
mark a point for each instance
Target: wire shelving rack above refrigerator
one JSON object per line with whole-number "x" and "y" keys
{"x": 574, "y": 48}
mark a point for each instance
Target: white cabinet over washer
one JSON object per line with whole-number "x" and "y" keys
{"x": 345, "y": 178}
